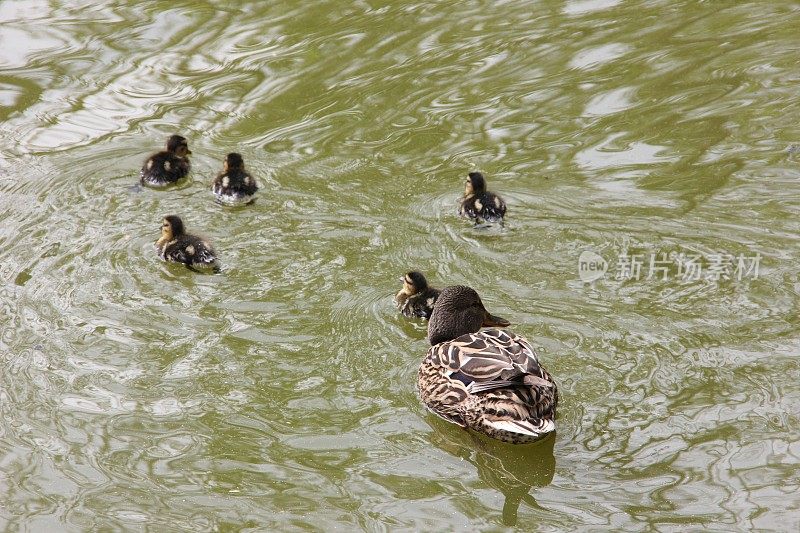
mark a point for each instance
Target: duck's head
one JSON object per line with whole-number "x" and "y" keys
{"x": 171, "y": 228}
{"x": 475, "y": 184}
{"x": 413, "y": 282}
{"x": 178, "y": 145}
{"x": 459, "y": 311}
{"x": 233, "y": 161}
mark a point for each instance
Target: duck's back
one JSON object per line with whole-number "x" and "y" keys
{"x": 490, "y": 381}
{"x": 164, "y": 168}
{"x": 190, "y": 250}
{"x": 234, "y": 186}
{"x": 485, "y": 206}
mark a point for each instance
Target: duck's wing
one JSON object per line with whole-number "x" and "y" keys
{"x": 204, "y": 253}
{"x": 490, "y": 359}
{"x": 191, "y": 251}
{"x": 174, "y": 251}
{"x": 492, "y": 207}
{"x": 153, "y": 168}
{"x": 216, "y": 185}
{"x": 467, "y": 208}
{"x": 250, "y": 184}
{"x": 431, "y": 295}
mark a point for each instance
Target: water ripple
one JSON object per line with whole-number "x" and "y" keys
{"x": 135, "y": 394}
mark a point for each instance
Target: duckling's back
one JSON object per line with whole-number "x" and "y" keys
{"x": 234, "y": 187}
{"x": 190, "y": 250}
{"x": 483, "y": 206}
{"x": 164, "y": 168}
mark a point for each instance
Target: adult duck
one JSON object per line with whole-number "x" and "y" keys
{"x": 487, "y": 380}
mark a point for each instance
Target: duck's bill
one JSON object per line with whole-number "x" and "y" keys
{"x": 492, "y": 321}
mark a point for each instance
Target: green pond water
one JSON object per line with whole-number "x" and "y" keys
{"x": 659, "y": 139}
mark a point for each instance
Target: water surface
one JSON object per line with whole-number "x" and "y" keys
{"x": 136, "y": 395}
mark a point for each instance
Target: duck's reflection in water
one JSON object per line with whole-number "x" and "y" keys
{"x": 513, "y": 469}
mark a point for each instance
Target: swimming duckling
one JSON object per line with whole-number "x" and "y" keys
{"x": 179, "y": 247}
{"x": 480, "y": 204}
{"x": 234, "y": 186}
{"x": 416, "y": 298}
{"x": 168, "y": 166}
{"x": 489, "y": 381}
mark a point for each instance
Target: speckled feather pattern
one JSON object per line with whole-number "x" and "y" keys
{"x": 189, "y": 250}
{"x": 164, "y": 168}
{"x": 234, "y": 187}
{"x": 485, "y": 206}
{"x": 490, "y": 381}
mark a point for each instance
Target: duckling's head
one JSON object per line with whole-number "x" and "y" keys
{"x": 178, "y": 145}
{"x": 475, "y": 184}
{"x": 233, "y": 161}
{"x": 459, "y": 311}
{"x": 171, "y": 228}
{"x": 414, "y": 282}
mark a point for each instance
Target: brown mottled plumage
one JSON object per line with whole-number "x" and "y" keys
{"x": 489, "y": 381}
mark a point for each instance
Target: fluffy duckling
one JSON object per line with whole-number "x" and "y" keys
{"x": 416, "y": 298}
{"x": 180, "y": 247}
{"x": 168, "y": 166}
{"x": 480, "y": 204}
{"x": 489, "y": 381}
{"x": 234, "y": 186}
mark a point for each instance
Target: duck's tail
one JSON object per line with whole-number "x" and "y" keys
{"x": 522, "y": 431}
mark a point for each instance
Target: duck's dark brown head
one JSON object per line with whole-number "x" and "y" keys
{"x": 458, "y": 311}
{"x": 233, "y": 161}
{"x": 178, "y": 145}
{"x": 414, "y": 282}
{"x": 475, "y": 184}
{"x": 171, "y": 227}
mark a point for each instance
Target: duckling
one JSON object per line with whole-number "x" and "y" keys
{"x": 168, "y": 166}
{"x": 180, "y": 247}
{"x": 416, "y": 298}
{"x": 488, "y": 380}
{"x": 234, "y": 186}
{"x": 480, "y": 204}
